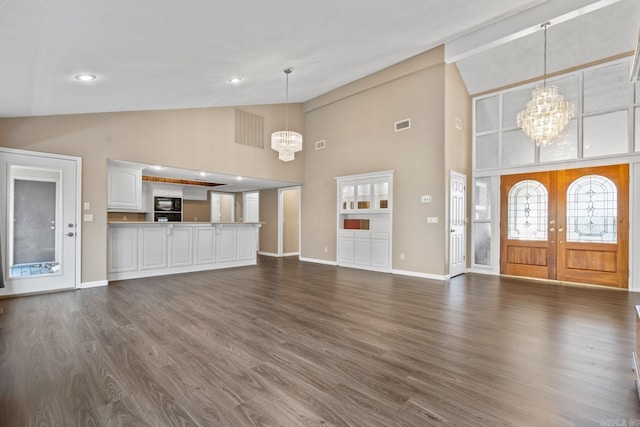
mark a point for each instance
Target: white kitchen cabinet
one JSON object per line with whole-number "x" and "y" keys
{"x": 124, "y": 189}
{"x": 153, "y": 247}
{"x": 122, "y": 249}
{"x": 194, "y": 193}
{"x": 146, "y": 249}
{"x": 364, "y": 223}
{"x": 180, "y": 246}
{"x": 246, "y": 243}
{"x": 167, "y": 190}
{"x": 205, "y": 245}
{"x": 227, "y": 250}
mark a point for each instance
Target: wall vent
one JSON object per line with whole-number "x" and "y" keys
{"x": 403, "y": 124}
{"x": 249, "y": 129}
{"x": 320, "y": 145}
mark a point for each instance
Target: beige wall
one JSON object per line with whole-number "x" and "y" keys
{"x": 269, "y": 217}
{"x": 197, "y": 210}
{"x": 227, "y": 206}
{"x": 357, "y": 123}
{"x": 291, "y": 224}
{"x": 457, "y": 141}
{"x": 200, "y": 139}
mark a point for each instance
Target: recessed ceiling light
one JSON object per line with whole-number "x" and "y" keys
{"x": 203, "y": 174}
{"x": 239, "y": 178}
{"x": 235, "y": 80}
{"x": 157, "y": 168}
{"x": 85, "y": 77}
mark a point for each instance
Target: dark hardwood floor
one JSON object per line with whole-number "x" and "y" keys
{"x": 291, "y": 344}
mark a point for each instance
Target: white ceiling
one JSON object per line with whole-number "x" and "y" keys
{"x": 166, "y": 54}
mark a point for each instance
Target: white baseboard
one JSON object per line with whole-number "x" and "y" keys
{"x": 96, "y": 284}
{"x": 421, "y": 275}
{"x": 271, "y": 254}
{"x": 483, "y": 271}
{"x": 318, "y": 261}
{"x": 291, "y": 254}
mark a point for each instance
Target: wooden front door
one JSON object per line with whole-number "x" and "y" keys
{"x": 569, "y": 225}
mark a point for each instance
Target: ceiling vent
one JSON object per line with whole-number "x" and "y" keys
{"x": 249, "y": 129}
{"x": 403, "y": 124}
{"x": 320, "y": 145}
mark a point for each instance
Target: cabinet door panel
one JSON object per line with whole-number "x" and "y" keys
{"x": 380, "y": 253}
{"x": 346, "y": 250}
{"x": 227, "y": 239}
{"x": 123, "y": 249}
{"x": 153, "y": 247}
{"x": 124, "y": 188}
{"x": 205, "y": 245}
{"x": 362, "y": 251}
{"x": 246, "y": 243}
{"x": 181, "y": 248}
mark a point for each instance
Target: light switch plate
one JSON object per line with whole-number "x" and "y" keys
{"x": 88, "y": 217}
{"x": 426, "y": 198}
{"x": 432, "y": 220}
{"x": 87, "y": 206}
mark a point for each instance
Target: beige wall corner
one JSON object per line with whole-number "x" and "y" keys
{"x": 269, "y": 216}
{"x": 291, "y": 225}
{"x": 360, "y": 137}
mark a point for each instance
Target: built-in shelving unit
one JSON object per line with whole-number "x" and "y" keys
{"x": 364, "y": 225}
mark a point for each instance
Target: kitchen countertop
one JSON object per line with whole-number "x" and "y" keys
{"x": 181, "y": 223}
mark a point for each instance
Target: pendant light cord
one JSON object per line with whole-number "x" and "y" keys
{"x": 544, "y": 81}
{"x": 287, "y": 71}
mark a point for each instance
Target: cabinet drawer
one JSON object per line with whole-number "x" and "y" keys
{"x": 362, "y": 234}
{"x": 345, "y": 233}
{"x": 383, "y": 235}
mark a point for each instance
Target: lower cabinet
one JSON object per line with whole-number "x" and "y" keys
{"x": 366, "y": 249}
{"x": 181, "y": 248}
{"x": 144, "y": 250}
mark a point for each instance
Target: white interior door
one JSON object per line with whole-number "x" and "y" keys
{"x": 251, "y": 211}
{"x": 39, "y": 234}
{"x": 457, "y": 224}
{"x": 215, "y": 207}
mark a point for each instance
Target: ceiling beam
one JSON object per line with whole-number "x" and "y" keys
{"x": 518, "y": 26}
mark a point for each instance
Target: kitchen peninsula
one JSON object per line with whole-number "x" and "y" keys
{"x": 145, "y": 249}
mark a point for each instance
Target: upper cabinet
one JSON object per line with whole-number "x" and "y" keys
{"x": 371, "y": 194}
{"x": 194, "y": 193}
{"x": 124, "y": 189}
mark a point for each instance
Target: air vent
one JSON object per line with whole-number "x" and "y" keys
{"x": 249, "y": 129}
{"x": 403, "y": 124}
{"x": 320, "y": 145}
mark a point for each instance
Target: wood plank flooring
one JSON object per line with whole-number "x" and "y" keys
{"x": 287, "y": 343}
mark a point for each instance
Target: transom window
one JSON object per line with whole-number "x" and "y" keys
{"x": 527, "y": 205}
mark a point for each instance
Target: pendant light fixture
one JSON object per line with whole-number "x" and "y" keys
{"x": 286, "y": 142}
{"x": 547, "y": 113}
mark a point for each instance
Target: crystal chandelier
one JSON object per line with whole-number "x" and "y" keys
{"x": 286, "y": 142}
{"x": 547, "y": 113}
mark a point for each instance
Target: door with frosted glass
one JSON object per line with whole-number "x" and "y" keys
{"x": 570, "y": 225}
{"x": 38, "y": 229}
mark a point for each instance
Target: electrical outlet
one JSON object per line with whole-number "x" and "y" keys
{"x": 326, "y": 249}
{"x": 432, "y": 220}
{"x": 401, "y": 257}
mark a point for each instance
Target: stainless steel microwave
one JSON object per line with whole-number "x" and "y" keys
{"x": 167, "y": 204}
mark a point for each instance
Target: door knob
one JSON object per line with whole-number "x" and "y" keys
{"x": 560, "y": 230}
{"x": 552, "y": 229}
{"x": 71, "y": 234}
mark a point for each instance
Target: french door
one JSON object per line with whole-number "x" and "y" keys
{"x": 39, "y": 243}
{"x": 570, "y": 225}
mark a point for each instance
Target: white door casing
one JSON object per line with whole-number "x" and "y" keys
{"x": 64, "y": 174}
{"x": 457, "y": 223}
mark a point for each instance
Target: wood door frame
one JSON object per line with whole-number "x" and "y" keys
{"x": 557, "y": 264}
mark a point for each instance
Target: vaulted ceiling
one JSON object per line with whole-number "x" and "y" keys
{"x": 166, "y": 54}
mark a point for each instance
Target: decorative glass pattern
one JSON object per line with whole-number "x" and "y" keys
{"x": 592, "y": 210}
{"x": 527, "y": 211}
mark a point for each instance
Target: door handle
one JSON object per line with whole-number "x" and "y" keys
{"x": 560, "y": 230}
{"x": 452, "y": 230}
{"x": 71, "y": 234}
{"x": 552, "y": 230}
